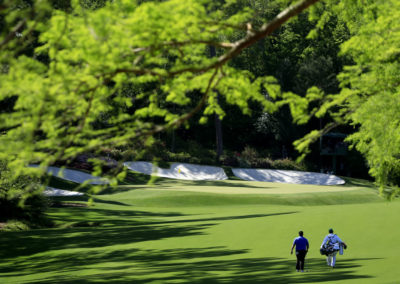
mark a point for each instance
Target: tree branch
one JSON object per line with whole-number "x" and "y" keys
{"x": 265, "y": 30}
{"x": 12, "y": 32}
{"x": 181, "y": 119}
{"x": 236, "y": 47}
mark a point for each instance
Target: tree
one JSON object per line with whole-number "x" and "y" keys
{"x": 369, "y": 98}
{"x": 88, "y": 57}
{"x": 298, "y": 62}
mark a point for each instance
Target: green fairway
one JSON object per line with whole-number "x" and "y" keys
{"x": 208, "y": 232}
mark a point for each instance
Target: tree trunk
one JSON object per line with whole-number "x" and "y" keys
{"x": 218, "y": 133}
{"x": 217, "y": 120}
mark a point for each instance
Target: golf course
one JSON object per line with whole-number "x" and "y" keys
{"x": 197, "y": 142}
{"x": 228, "y": 231}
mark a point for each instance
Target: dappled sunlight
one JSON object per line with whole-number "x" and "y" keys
{"x": 185, "y": 265}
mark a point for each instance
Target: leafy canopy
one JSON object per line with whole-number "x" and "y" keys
{"x": 370, "y": 91}
{"x": 83, "y": 61}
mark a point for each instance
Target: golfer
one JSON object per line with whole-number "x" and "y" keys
{"x": 332, "y": 244}
{"x": 301, "y": 244}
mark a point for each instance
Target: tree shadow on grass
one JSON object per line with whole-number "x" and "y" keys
{"x": 122, "y": 227}
{"x": 216, "y": 183}
{"x": 354, "y": 182}
{"x": 38, "y": 241}
{"x": 142, "y": 179}
{"x": 185, "y": 265}
{"x": 228, "y": 218}
{"x": 58, "y": 200}
{"x": 61, "y": 255}
{"x": 106, "y": 218}
{"x": 120, "y": 218}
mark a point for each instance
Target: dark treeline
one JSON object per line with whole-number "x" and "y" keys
{"x": 298, "y": 62}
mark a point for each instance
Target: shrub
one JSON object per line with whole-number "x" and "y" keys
{"x": 15, "y": 225}
{"x": 230, "y": 160}
{"x": 265, "y": 163}
{"x": 195, "y": 153}
{"x": 249, "y": 157}
{"x": 183, "y": 157}
{"x": 20, "y": 199}
{"x": 287, "y": 164}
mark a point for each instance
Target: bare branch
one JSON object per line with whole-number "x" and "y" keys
{"x": 11, "y": 34}
{"x": 236, "y": 47}
{"x": 265, "y": 30}
{"x": 183, "y": 43}
{"x": 206, "y": 42}
{"x": 249, "y": 29}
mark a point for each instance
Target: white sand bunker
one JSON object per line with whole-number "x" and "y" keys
{"x": 75, "y": 176}
{"x": 179, "y": 171}
{"x": 51, "y": 191}
{"x": 284, "y": 176}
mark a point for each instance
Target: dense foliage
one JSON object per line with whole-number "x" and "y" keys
{"x": 14, "y": 193}
{"x": 86, "y": 76}
{"x": 103, "y": 77}
{"x": 369, "y": 95}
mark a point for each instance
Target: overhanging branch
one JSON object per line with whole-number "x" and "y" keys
{"x": 234, "y": 48}
{"x": 265, "y": 30}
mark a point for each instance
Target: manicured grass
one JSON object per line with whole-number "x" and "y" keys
{"x": 188, "y": 232}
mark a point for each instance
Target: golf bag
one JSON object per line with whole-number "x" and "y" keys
{"x": 328, "y": 247}
{"x": 326, "y": 250}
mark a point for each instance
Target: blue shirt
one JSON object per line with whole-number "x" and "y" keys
{"x": 301, "y": 243}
